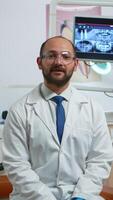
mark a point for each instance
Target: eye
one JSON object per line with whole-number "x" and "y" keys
{"x": 66, "y": 56}
{"x": 51, "y": 56}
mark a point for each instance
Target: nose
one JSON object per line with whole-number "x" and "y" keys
{"x": 58, "y": 59}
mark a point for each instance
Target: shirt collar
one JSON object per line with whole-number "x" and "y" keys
{"x": 48, "y": 94}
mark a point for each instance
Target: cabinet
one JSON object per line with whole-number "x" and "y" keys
{"x": 5, "y": 187}
{"x": 1, "y": 140}
{"x": 107, "y": 193}
{"x": 109, "y": 181}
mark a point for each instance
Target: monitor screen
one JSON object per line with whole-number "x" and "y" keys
{"x": 93, "y": 38}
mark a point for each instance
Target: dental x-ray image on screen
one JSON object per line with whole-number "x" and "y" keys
{"x": 93, "y": 38}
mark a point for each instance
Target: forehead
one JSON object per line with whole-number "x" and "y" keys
{"x": 58, "y": 44}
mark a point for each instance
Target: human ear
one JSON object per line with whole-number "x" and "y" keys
{"x": 76, "y": 64}
{"x": 39, "y": 61}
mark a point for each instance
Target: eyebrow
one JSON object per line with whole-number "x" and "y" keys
{"x": 54, "y": 51}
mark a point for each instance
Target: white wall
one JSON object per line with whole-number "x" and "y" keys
{"x": 22, "y": 30}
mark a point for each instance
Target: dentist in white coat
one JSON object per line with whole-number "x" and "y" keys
{"x": 39, "y": 166}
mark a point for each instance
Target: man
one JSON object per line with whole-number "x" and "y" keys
{"x": 44, "y": 158}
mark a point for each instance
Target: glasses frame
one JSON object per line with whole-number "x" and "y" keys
{"x": 65, "y": 56}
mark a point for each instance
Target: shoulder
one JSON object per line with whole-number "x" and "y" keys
{"x": 90, "y": 107}
{"x": 83, "y": 97}
{"x": 28, "y": 99}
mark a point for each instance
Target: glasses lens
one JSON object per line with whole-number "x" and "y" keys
{"x": 65, "y": 56}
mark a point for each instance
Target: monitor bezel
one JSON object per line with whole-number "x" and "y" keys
{"x": 100, "y": 56}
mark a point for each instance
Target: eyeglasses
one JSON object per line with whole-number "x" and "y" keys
{"x": 65, "y": 56}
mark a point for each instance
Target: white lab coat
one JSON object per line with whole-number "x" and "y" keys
{"x": 42, "y": 169}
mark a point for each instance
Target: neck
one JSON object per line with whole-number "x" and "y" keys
{"x": 55, "y": 88}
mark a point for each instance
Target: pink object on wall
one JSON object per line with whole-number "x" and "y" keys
{"x": 65, "y": 15}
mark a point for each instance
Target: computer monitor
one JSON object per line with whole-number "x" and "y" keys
{"x": 93, "y": 38}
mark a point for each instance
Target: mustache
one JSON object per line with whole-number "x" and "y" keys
{"x": 57, "y": 68}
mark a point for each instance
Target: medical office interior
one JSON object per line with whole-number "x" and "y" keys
{"x": 24, "y": 26}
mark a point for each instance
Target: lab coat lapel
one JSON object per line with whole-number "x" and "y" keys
{"x": 43, "y": 112}
{"x": 76, "y": 105}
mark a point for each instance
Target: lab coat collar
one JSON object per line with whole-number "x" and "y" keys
{"x": 49, "y": 94}
{"x": 79, "y": 97}
{"x": 36, "y": 95}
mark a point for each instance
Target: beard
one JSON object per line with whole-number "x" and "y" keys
{"x": 54, "y": 80}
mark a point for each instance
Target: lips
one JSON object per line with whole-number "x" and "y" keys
{"x": 57, "y": 69}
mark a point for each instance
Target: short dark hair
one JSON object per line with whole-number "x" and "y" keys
{"x": 59, "y": 36}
